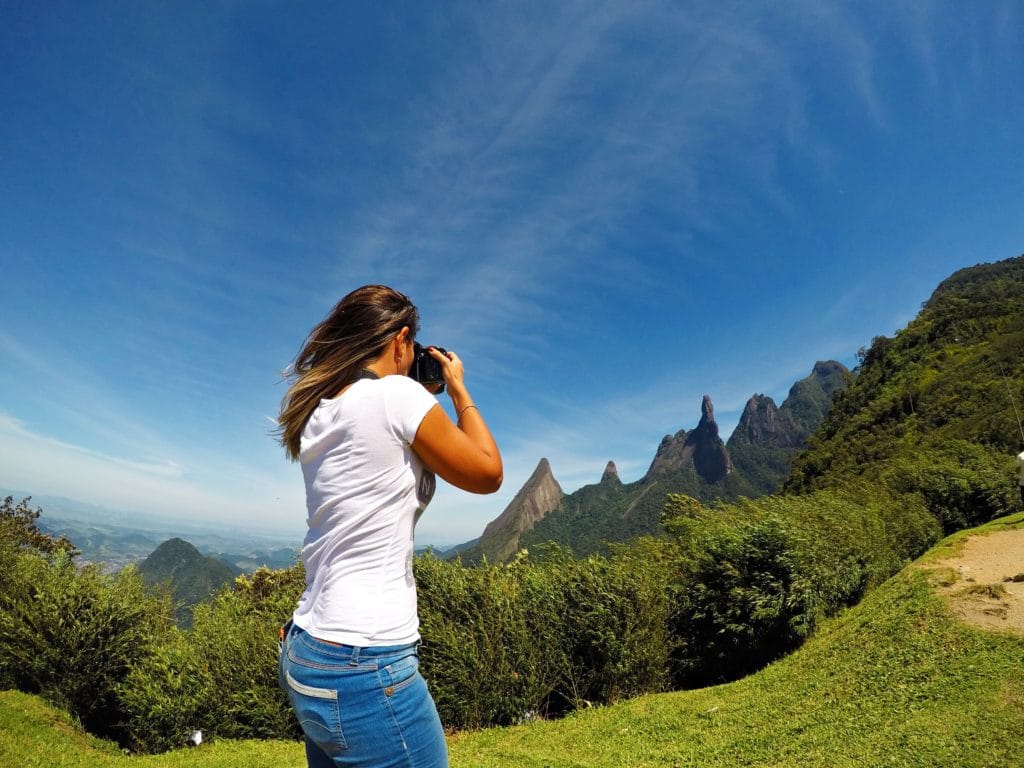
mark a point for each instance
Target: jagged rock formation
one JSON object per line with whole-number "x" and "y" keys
{"x": 755, "y": 461}
{"x": 763, "y": 424}
{"x": 702, "y": 448}
{"x": 710, "y": 458}
{"x": 540, "y": 495}
{"x": 768, "y": 437}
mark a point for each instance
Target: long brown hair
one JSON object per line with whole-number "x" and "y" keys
{"x": 354, "y": 333}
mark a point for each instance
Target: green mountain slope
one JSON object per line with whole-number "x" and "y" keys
{"x": 767, "y": 438}
{"x": 935, "y": 409}
{"x": 191, "y": 576}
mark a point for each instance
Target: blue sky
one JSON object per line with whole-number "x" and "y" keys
{"x": 607, "y": 209}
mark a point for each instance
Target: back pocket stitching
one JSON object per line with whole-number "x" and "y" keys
{"x": 333, "y": 729}
{"x": 319, "y": 693}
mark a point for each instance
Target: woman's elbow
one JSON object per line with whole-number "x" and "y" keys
{"x": 490, "y": 479}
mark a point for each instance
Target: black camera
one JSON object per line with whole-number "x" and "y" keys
{"x": 426, "y": 370}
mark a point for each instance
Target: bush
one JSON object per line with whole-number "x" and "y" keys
{"x": 613, "y": 624}
{"x": 221, "y": 676}
{"x": 504, "y": 642}
{"x": 742, "y": 601}
{"x": 963, "y": 484}
{"x": 754, "y": 578}
{"x": 490, "y": 650}
{"x": 72, "y": 634}
{"x": 164, "y": 696}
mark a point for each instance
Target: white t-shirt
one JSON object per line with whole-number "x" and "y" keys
{"x": 1020, "y": 466}
{"x": 365, "y": 489}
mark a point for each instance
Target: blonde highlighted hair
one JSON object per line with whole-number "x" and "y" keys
{"x": 354, "y": 334}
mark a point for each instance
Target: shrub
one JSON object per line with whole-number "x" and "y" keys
{"x": 221, "y": 676}
{"x": 72, "y": 634}
{"x": 753, "y": 578}
{"x": 18, "y": 526}
{"x": 164, "y": 695}
{"x": 502, "y": 642}
{"x": 741, "y": 601}
{"x": 962, "y": 483}
{"x": 613, "y": 623}
{"x": 490, "y": 651}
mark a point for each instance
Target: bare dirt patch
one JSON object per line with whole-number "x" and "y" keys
{"x": 985, "y": 582}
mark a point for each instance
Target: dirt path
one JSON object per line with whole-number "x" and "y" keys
{"x": 985, "y": 582}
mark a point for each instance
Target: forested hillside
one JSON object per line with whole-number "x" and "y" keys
{"x": 936, "y": 408}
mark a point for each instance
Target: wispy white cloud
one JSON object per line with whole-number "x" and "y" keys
{"x": 546, "y": 134}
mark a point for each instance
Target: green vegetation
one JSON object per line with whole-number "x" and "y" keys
{"x": 894, "y": 681}
{"x": 932, "y": 409}
{"x": 19, "y": 528}
{"x": 71, "y": 633}
{"x": 190, "y": 577}
{"x": 506, "y": 642}
{"x": 34, "y": 734}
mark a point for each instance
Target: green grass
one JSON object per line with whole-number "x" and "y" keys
{"x": 32, "y": 733}
{"x": 895, "y": 681}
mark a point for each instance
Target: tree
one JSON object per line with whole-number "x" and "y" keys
{"x": 18, "y": 527}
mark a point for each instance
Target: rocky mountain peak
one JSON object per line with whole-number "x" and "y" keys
{"x": 710, "y": 458}
{"x": 702, "y": 448}
{"x": 707, "y": 412}
{"x": 671, "y": 455}
{"x": 763, "y": 424}
{"x": 611, "y": 474}
{"x": 540, "y": 495}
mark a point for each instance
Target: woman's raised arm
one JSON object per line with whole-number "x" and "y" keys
{"x": 462, "y": 452}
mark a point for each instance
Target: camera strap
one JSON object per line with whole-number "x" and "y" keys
{"x": 366, "y": 373}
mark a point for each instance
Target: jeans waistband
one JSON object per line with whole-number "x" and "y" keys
{"x": 351, "y": 653}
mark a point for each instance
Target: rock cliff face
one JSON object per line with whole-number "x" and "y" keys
{"x": 766, "y": 425}
{"x": 702, "y": 447}
{"x": 768, "y": 437}
{"x": 540, "y": 495}
{"x": 762, "y": 423}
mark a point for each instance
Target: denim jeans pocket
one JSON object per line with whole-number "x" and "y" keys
{"x": 318, "y": 714}
{"x": 400, "y": 673}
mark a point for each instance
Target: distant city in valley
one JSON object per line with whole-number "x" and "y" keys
{"x": 116, "y": 538}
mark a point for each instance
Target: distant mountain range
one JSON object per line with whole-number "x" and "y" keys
{"x": 754, "y": 462}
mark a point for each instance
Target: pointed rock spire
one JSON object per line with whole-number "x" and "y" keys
{"x": 707, "y": 413}
{"x": 540, "y": 495}
{"x": 710, "y": 458}
{"x": 611, "y": 474}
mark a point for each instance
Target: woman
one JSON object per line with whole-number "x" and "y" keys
{"x": 370, "y": 441}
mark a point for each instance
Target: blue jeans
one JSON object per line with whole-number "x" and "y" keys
{"x": 361, "y": 706}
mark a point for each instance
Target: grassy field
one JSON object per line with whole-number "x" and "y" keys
{"x": 895, "y": 681}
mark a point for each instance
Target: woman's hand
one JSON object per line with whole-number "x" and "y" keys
{"x": 452, "y": 370}
{"x": 463, "y": 452}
